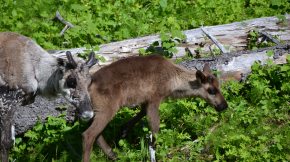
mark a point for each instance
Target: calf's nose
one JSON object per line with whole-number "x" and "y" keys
{"x": 222, "y": 106}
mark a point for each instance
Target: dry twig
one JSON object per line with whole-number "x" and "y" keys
{"x": 67, "y": 24}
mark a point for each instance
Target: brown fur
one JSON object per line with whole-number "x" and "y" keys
{"x": 142, "y": 80}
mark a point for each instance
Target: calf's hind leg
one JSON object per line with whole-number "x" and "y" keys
{"x": 152, "y": 111}
{"x": 127, "y": 127}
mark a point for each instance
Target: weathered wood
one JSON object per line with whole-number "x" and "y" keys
{"x": 238, "y": 64}
{"x": 67, "y": 24}
{"x": 232, "y": 65}
{"x": 233, "y": 37}
{"x": 215, "y": 41}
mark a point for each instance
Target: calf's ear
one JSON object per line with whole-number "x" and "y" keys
{"x": 200, "y": 76}
{"x": 206, "y": 68}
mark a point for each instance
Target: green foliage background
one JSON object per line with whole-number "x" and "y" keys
{"x": 255, "y": 127}
{"x": 120, "y": 19}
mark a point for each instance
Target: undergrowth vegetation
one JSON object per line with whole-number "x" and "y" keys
{"x": 255, "y": 127}
{"x": 102, "y": 21}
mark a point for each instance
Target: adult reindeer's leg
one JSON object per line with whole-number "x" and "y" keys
{"x": 101, "y": 119}
{"x": 154, "y": 122}
{"x": 130, "y": 124}
{"x": 6, "y": 134}
{"x": 8, "y": 101}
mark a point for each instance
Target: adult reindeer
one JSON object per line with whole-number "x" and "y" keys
{"x": 27, "y": 70}
{"x": 146, "y": 81}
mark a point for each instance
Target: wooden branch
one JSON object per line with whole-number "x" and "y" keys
{"x": 67, "y": 24}
{"x": 216, "y": 42}
{"x": 268, "y": 36}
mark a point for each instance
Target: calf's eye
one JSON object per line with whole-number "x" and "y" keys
{"x": 212, "y": 91}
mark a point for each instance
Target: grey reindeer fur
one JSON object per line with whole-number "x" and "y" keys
{"x": 27, "y": 70}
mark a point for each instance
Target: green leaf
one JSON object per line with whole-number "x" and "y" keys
{"x": 279, "y": 146}
{"x": 163, "y": 4}
{"x": 276, "y": 2}
{"x": 164, "y": 37}
{"x": 14, "y": 13}
{"x": 44, "y": 14}
{"x": 31, "y": 135}
{"x": 288, "y": 58}
{"x": 270, "y": 53}
{"x": 253, "y": 33}
{"x": 121, "y": 142}
{"x": 285, "y": 68}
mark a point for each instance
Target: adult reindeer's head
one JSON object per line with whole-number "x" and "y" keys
{"x": 75, "y": 82}
{"x": 209, "y": 89}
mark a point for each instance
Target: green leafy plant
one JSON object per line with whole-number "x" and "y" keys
{"x": 54, "y": 140}
{"x": 98, "y": 22}
{"x": 167, "y": 46}
{"x": 253, "y": 41}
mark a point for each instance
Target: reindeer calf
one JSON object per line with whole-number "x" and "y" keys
{"x": 147, "y": 81}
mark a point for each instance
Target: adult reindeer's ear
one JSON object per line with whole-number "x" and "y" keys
{"x": 71, "y": 62}
{"x": 200, "y": 76}
{"x": 92, "y": 60}
{"x": 206, "y": 68}
{"x": 60, "y": 61}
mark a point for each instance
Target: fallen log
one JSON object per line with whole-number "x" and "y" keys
{"x": 234, "y": 63}
{"x": 232, "y": 36}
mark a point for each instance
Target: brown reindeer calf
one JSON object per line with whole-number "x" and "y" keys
{"x": 147, "y": 81}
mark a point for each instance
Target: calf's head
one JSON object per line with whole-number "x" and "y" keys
{"x": 209, "y": 88}
{"x": 74, "y": 84}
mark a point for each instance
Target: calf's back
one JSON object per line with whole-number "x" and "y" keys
{"x": 135, "y": 80}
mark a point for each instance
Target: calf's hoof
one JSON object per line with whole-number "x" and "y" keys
{"x": 124, "y": 133}
{"x": 113, "y": 156}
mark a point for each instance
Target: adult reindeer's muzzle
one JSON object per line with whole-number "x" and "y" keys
{"x": 85, "y": 109}
{"x": 76, "y": 79}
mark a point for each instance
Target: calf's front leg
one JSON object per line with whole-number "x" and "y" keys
{"x": 100, "y": 121}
